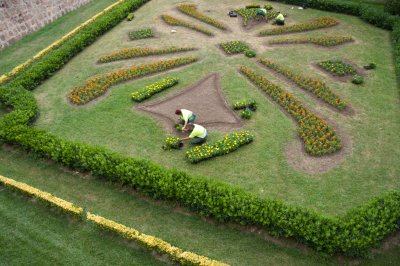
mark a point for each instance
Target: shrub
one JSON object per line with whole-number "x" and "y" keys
{"x": 317, "y": 87}
{"x": 323, "y": 41}
{"x": 140, "y": 52}
{"x": 337, "y": 67}
{"x": 357, "y": 80}
{"x": 141, "y": 34}
{"x": 230, "y": 143}
{"x": 246, "y": 113}
{"x": 177, "y": 22}
{"x": 249, "y": 53}
{"x": 392, "y": 7}
{"x": 191, "y": 10}
{"x": 130, "y": 16}
{"x": 316, "y": 23}
{"x": 98, "y": 85}
{"x": 319, "y": 138}
{"x": 150, "y": 90}
{"x": 250, "y": 104}
{"x": 172, "y": 143}
{"x": 370, "y": 66}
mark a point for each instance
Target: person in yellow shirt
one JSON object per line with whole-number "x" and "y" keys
{"x": 280, "y": 19}
{"x": 198, "y": 134}
{"x": 185, "y": 117}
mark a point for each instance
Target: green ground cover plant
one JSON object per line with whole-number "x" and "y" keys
{"x": 98, "y": 85}
{"x": 337, "y": 67}
{"x": 246, "y": 113}
{"x": 243, "y": 104}
{"x": 140, "y": 52}
{"x": 323, "y": 41}
{"x": 237, "y": 47}
{"x": 316, "y": 23}
{"x": 319, "y": 138}
{"x": 191, "y": 10}
{"x": 178, "y": 22}
{"x": 357, "y": 79}
{"x": 148, "y": 91}
{"x": 11, "y": 101}
{"x": 141, "y": 34}
{"x": 317, "y": 87}
{"x": 228, "y": 144}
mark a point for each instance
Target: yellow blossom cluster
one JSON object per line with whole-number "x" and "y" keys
{"x": 154, "y": 88}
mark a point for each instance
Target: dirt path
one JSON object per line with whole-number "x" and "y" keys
{"x": 204, "y": 98}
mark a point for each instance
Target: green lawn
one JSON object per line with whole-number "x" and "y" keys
{"x": 175, "y": 225}
{"x": 261, "y": 167}
{"x": 32, "y": 235}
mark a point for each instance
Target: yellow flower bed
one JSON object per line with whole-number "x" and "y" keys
{"x": 151, "y": 242}
{"x": 6, "y": 77}
{"x": 47, "y": 197}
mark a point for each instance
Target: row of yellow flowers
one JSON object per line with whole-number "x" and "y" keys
{"x": 191, "y": 10}
{"x": 178, "y": 22}
{"x": 18, "y": 69}
{"x": 44, "y": 196}
{"x": 151, "y": 242}
{"x": 322, "y": 41}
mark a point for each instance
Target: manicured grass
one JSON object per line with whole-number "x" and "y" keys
{"x": 28, "y": 46}
{"x": 261, "y": 168}
{"x": 31, "y": 234}
{"x": 173, "y": 224}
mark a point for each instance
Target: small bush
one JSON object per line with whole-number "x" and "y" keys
{"x": 130, "y": 16}
{"x": 250, "y": 53}
{"x": 370, "y": 66}
{"x": 246, "y": 113}
{"x": 357, "y": 79}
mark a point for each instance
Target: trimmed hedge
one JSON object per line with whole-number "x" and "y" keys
{"x": 353, "y": 234}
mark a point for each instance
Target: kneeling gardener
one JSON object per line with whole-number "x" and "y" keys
{"x": 186, "y": 117}
{"x": 198, "y": 134}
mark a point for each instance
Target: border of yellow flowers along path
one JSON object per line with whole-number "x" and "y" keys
{"x": 151, "y": 242}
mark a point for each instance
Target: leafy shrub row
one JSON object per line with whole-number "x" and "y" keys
{"x": 98, "y": 85}
{"x": 317, "y": 87}
{"x": 150, "y": 90}
{"x": 323, "y": 41}
{"x": 319, "y": 138}
{"x": 153, "y": 243}
{"x": 337, "y": 67}
{"x": 139, "y": 52}
{"x": 353, "y": 234}
{"x": 237, "y": 47}
{"x": 316, "y": 23}
{"x": 141, "y": 34}
{"x": 230, "y": 143}
{"x": 150, "y": 242}
{"x": 63, "y": 205}
{"x": 191, "y": 10}
{"x": 178, "y": 22}
{"x": 54, "y": 60}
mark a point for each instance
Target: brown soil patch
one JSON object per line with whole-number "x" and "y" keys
{"x": 203, "y": 98}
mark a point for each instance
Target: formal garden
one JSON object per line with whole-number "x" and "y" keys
{"x": 301, "y": 165}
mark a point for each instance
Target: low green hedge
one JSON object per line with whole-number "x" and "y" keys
{"x": 353, "y": 234}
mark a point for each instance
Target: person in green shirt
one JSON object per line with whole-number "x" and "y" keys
{"x": 185, "y": 117}
{"x": 280, "y": 19}
{"x": 198, "y": 134}
{"x": 261, "y": 12}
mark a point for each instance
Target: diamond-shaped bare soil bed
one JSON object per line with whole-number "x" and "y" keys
{"x": 204, "y": 98}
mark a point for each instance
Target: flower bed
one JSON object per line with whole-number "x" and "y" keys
{"x": 316, "y": 23}
{"x": 191, "y": 10}
{"x": 317, "y": 87}
{"x": 319, "y": 138}
{"x": 337, "y": 67}
{"x": 251, "y": 104}
{"x": 230, "y": 143}
{"x": 98, "y": 85}
{"x": 323, "y": 41}
{"x": 148, "y": 91}
{"x": 172, "y": 143}
{"x": 237, "y": 47}
{"x": 177, "y": 22}
{"x": 140, "y": 52}
{"x": 141, "y": 34}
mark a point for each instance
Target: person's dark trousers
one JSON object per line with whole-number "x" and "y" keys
{"x": 197, "y": 140}
{"x": 280, "y": 22}
{"x": 191, "y": 120}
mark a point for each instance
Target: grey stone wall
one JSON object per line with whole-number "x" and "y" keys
{"x": 21, "y": 17}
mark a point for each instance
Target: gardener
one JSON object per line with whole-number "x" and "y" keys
{"x": 280, "y": 19}
{"x": 198, "y": 134}
{"x": 261, "y": 12}
{"x": 186, "y": 117}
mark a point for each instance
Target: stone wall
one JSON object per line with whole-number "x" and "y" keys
{"x": 21, "y": 17}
